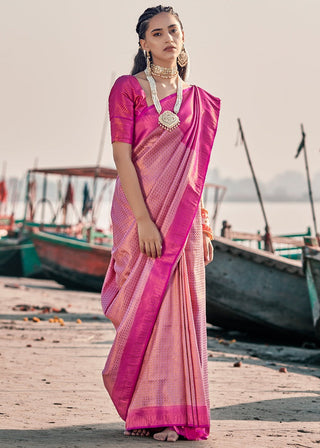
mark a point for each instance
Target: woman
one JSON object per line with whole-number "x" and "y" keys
{"x": 154, "y": 291}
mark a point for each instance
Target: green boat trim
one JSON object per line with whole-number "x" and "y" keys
{"x": 66, "y": 240}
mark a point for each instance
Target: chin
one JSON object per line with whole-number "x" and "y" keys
{"x": 165, "y": 58}
{"x": 171, "y": 57}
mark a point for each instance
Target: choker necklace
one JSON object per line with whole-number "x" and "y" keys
{"x": 168, "y": 120}
{"x": 164, "y": 72}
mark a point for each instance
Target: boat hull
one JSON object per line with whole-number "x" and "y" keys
{"x": 311, "y": 257}
{"x": 73, "y": 263}
{"x": 251, "y": 290}
{"x": 18, "y": 258}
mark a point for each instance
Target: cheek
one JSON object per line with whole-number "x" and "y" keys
{"x": 179, "y": 38}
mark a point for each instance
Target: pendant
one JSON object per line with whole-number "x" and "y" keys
{"x": 169, "y": 120}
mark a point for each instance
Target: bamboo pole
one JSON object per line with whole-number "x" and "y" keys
{"x": 267, "y": 228}
{"x": 101, "y": 148}
{"x": 44, "y": 198}
{"x": 26, "y": 204}
{"x": 309, "y": 184}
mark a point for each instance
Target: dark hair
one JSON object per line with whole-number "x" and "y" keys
{"x": 139, "y": 63}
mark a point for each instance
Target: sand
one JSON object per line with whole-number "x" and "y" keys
{"x": 52, "y": 393}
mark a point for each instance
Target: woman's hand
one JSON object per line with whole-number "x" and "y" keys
{"x": 207, "y": 249}
{"x": 150, "y": 240}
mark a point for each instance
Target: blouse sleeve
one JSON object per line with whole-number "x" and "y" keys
{"x": 121, "y": 111}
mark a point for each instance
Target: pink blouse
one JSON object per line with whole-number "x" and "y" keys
{"x": 127, "y": 105}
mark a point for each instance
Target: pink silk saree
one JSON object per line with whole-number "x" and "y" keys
{"x": 156, "y": 371}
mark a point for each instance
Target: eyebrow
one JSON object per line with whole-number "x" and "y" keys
{"x": 160, "y": 29}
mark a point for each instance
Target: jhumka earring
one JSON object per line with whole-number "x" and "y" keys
{"x": 183, "y": 57}
{"x": 148, "y": 60}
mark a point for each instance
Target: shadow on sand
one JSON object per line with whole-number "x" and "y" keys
{"x": 89, "y": 436}
{"x": 291, "y": 409}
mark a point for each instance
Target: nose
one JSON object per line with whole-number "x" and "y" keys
{"x": 169, "y": 37}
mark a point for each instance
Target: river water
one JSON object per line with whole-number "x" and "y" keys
{"x": 283, "y": 217}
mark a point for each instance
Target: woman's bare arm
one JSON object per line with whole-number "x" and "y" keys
{"x": 149, "y": 236}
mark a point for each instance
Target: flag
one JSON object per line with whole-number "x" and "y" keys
{"x": 69, "y": 198}
{"x": 3, "y": 191}
{"x": 301, "y": 146}
{"x": 87, "y": 201}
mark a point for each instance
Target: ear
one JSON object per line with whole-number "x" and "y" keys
{"x": 182, "y": 32}
{"x": 143, "y": 44}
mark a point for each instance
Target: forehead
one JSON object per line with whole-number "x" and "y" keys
{"x": 162, "y": 20}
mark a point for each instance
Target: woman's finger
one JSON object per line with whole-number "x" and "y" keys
{"x": 159, "y": 248}
{"x": 141, "y": 244}
{"x": 147, "y": 249}
{"x": 153, "y": 250}
{"x": 210, "y": 251}
{"x": 205, "y": 249}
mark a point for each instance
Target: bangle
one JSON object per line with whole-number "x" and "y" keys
{"x": 204, "y": 213}
{"x": 205, "y": 217}
{"x": 206, "y": 229}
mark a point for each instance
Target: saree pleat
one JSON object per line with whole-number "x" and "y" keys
{"x": 175, "y": 361}
{"x": 156, "y": 371}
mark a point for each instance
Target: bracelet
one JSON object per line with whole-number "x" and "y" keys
{"x": 206, "y": 229}
{"x": 204, "y": 213}
{"x": 205, "y": 216}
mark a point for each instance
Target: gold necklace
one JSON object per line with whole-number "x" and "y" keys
{"x": 164, "y": 72}
{"x": 167, "y": 120}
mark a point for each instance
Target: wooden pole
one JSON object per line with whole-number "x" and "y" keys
{"x": 26, "y": 204}
{"x": 267, "y": 228}
{"x": 309, "y": 184}
{"x": 44, "y": 198}
{"x": 101, "y": 147}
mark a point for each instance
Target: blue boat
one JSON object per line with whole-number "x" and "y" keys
{"x": 311, "y": 259}
{"x": 256, "y": 291}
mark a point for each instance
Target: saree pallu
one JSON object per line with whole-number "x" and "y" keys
{"x": 156, "y": 371}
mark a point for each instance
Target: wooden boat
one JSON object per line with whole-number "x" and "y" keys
{"x": 72, "y": 262}
{"x": 75, "y": 259}
{"x": 311, "y": 259}
{"x": 256, "y": 291}
{"x": 18, "y": 258}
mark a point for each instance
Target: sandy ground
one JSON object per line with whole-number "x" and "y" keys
{"x": 52, "y": 393}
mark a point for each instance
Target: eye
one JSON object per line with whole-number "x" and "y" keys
{"x": 157, "y": 34}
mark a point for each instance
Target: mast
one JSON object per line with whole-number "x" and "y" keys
{"x": 268, "y": 240}
{"x": 26, "y": 204}
{"x": 303, "y": 146}
{"x": 101, "y": 147}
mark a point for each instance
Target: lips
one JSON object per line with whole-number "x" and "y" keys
{"x": 171, "y": 47}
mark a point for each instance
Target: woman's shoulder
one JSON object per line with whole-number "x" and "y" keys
{"x": 123, "y": 81}
{"x": 124, "y": 85}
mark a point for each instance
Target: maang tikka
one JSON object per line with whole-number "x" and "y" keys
{"x": 183, "y": 57}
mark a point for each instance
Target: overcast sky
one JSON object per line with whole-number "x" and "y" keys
{"x": 260, "y": 57}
